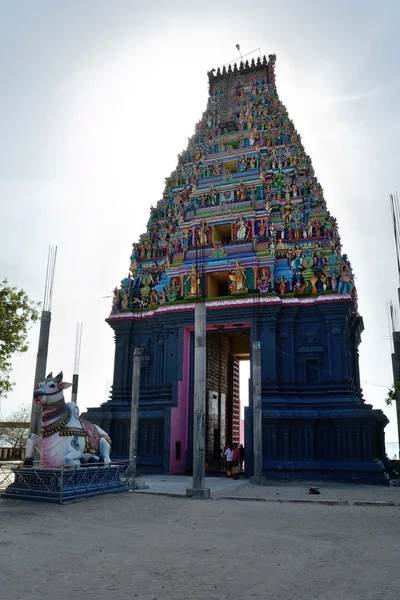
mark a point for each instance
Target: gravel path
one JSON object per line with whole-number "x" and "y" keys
{"x": 149, "y": 547}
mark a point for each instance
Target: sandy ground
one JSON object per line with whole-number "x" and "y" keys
{"x": 157, "y": 547}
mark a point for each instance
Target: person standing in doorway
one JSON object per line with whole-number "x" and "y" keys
{"x": 223, "y": 457}
{"x": 241, "y": 459}
{"x": 229, "y": 460}
{"x": 236, "y": 462}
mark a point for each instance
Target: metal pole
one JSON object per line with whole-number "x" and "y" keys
{"x": 257, "y": 413}
{"x": 134, "y": 430}
{"x": 199, "y": 490}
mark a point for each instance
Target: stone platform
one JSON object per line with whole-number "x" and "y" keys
{"x": 66, "y": 484}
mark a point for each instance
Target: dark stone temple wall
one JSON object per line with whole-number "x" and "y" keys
{"x": 315, "y": 421}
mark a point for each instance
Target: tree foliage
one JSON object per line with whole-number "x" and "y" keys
{"x": 391, "y": 394}
{"x": 17, "y": 314}
{"x": 14, "y": 436}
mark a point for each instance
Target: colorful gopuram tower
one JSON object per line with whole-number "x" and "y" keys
{"x": 243, "y": 222}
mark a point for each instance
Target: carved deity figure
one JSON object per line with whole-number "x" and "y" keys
{"x": 282, "y": 284}
{"x": 262, "y": 229}
{"x": 213, "y": 196}
{"x": 193, "y": 278}
{"x": 185, "y": 239}
{"x": 237, "y": 278}
{"x": 297, "y": 260}
{"x": 134, "y": 268}
{"x": 125, "y": 299}
{"x": 116, "y": 301}
{"x": 287, "y": 210}
{"x": 241, "y": 192}
{"x": 203, "y": 233}
{"x": 263, "y": 283}
{"x": 153, "y": 299}
{"x": 242, "y": 229}
{"x": 345, "y": 283}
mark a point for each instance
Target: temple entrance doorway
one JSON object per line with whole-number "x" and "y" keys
{"x": 244, "y": 381}
{"x": 226, "y": 349}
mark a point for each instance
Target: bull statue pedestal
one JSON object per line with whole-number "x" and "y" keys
{"x": 75, "y": 454}
{"x": 62, "y": 485}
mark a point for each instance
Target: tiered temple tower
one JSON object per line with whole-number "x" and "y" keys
{"x": 243, "y": 222}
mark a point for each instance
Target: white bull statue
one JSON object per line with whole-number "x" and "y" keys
{"x": 66, "y": 439}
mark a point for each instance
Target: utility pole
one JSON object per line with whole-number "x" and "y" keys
{"x": 75, "y": 376}
{"x": 43, "y": 346}
{"x": 200, "y": 384}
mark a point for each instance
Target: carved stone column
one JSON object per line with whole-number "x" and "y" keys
{"x": 121, "y": 385}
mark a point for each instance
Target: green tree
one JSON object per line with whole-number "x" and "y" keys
{"x": 17, "y": 314}
{"x": 14, "y": 431}
{"x": 391, "y": 394}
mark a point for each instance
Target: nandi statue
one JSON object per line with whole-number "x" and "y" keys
{"x": 66, "y": 439}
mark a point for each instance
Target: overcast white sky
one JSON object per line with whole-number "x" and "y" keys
{"x": 98, "y": 98}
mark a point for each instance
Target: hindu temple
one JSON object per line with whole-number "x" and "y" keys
{"x": 242, "y": 223}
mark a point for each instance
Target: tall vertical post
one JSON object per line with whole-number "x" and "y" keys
{"x": 200, "y": 375}
{"x": 75, "y": 376}
{"x": 200, "y": 378}
{"x": 257, "y": 477}
{"x": 43, "y": 346}
{"x": 257, "y": 413}
{"x": 134, "y": 430}
{"x": 395, "y": 209}
{"x": 396, "y": 376}
{"x": 41, "y": 363}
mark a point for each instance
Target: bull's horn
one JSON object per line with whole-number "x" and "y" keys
{"x": 59, "y": 377}
{"x": 49, "y": 376}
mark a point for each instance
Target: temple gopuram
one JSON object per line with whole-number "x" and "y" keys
{"x": 243, "y": 224}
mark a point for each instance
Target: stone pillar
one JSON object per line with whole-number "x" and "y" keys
{"x": 74, "y": 392}
{"x": 122, "y": 361}
{"x": 200, "y": 373}
{"x": 134, "y": 430}
{"x": 40, "y": 374}
{"x": 257, "y": 415}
